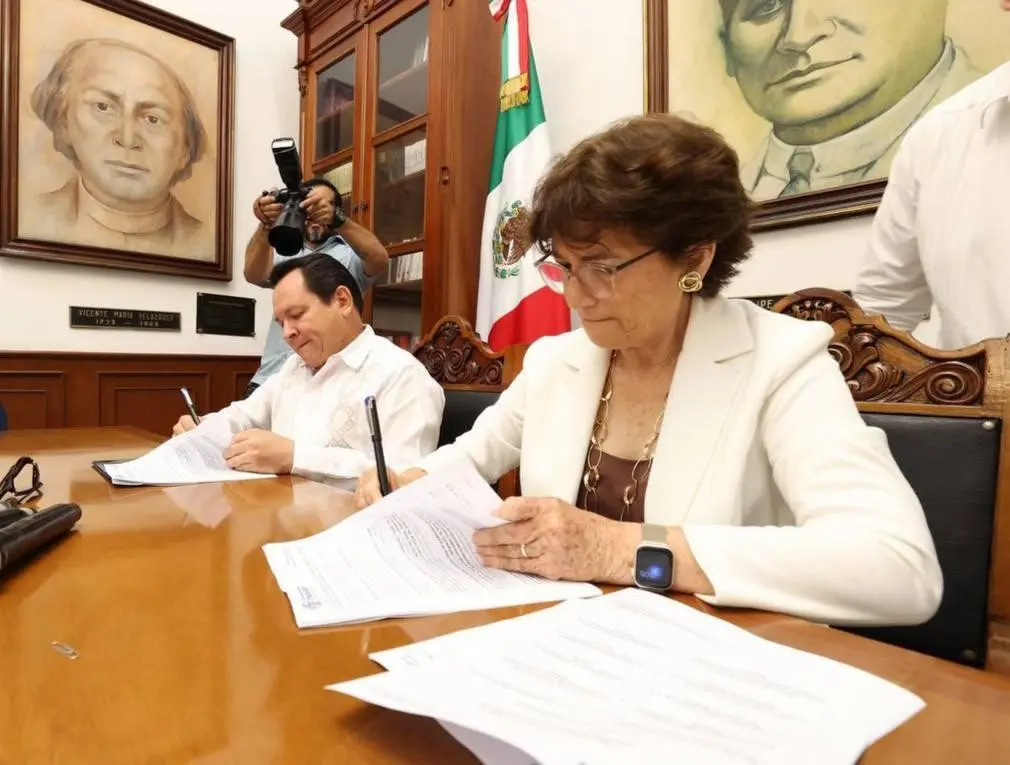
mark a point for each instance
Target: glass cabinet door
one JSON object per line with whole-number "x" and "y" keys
{"x": 335, "y": 99}
{"x": 335, "y": 92}
{"x": 396, "y": 121}
{"x": 342, "y": 177}
{"x": 403, "y": 71}
{"x": 398, "y": 216}
{"x": 399, "y": 110}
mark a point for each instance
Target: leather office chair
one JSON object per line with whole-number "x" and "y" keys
{"x": 472, "y": 375}
{"x": 3, "y": 418}
{"x": 943, "y": 413}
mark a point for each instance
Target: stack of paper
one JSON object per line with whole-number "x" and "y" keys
{"x": 196, "y": 456}
{"x": 409, "y": 554}
{"x": 635, "y": 677}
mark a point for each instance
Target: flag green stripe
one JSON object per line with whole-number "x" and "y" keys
{"x": 515, "y": 124}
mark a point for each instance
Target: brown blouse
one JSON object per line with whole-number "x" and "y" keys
{"x": 615, "y": 475}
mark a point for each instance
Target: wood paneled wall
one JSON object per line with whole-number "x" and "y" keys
{"x": 71, "y": 390}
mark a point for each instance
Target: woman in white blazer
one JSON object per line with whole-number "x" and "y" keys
{"x": 705, "y": 440}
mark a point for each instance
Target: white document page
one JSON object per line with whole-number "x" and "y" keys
{"x": 409, "y": 554}
{"x": 635, "y": 675}
{"x": 196, "y": 456}
{"x": 468, "y": 643}
{"x": 471, "y": 643}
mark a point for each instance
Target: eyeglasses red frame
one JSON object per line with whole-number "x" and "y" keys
{"x": 556, "y": 282}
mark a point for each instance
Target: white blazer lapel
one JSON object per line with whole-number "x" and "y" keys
{"x": 574, "y": 402}
{"x": 711, "y": 367}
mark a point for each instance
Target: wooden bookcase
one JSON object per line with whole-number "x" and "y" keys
{"x": 399, "y": 100}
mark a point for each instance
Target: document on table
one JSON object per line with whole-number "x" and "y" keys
{"x": 409, "y": 554}
{"x": 196, "y": 456}
{"x": 634, "y": 675}
{"x": 490, "y": 751}
{"x": 474, "y": 642}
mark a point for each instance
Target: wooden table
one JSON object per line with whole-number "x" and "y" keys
{"x": 188, "y": 652}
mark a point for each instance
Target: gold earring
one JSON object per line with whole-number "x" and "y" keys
{"x": 690, "y": 282}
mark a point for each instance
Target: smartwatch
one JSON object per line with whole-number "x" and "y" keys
{"x": 654, "y": 564}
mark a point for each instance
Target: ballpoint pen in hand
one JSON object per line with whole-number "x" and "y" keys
{"x": 189, "y": 405}
{"x": 380, "y": 458}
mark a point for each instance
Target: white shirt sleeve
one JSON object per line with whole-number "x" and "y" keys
{"x": 891, "y": 281}
{"x": 410, "y": 416}
{"x": 254, "y": 412}
{"x": 860, "y": 552}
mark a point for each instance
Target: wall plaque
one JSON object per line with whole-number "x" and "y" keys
{"x": 124, "y": 318}
{"x": 225, "y": 315}
{"x": 767, "y": 301}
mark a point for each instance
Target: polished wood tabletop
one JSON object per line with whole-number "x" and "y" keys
{"x": 187, "y": 651}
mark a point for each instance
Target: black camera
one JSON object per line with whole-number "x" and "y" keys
{"x": 288, "y": 231}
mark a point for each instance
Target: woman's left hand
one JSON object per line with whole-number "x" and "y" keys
{"x": 552, "y": 539}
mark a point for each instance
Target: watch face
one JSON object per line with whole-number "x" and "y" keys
{"x": 654, "y": 568}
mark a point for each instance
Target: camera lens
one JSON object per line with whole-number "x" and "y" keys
{"x": 286, "y": 240}
{"x": 288, "y": 231}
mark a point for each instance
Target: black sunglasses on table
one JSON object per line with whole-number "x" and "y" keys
{"x": 15, "y": 484}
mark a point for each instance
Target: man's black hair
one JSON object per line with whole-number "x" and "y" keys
{"x": 323, "y": 275}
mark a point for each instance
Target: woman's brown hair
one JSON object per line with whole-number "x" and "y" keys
{"x": 670, "y": 183}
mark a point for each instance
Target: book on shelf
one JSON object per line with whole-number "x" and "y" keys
{"x": 405, "y": 268}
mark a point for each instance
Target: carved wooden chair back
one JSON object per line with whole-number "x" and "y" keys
{"x": 944, "y": 413}
{"x": 473, "y": 377}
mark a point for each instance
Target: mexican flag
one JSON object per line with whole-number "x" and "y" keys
{"x": 513, "y": 303}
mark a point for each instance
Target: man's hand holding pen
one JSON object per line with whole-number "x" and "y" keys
{"x": 187, "y": 421}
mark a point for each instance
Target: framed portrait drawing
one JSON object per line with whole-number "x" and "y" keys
{"x": 816, "y": 95}
{"x": 115, "y": 137}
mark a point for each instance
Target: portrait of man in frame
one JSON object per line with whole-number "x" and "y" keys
{"x": 122, "y": 138}
{"x": 815, "y": 95}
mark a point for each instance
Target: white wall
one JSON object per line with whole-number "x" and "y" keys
{"x": 36, "y": 295}
{"x": 590, "y": 58}
{"x": 591, "y": 63}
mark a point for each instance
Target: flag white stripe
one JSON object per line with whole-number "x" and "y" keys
{"x": 512, "y": 30}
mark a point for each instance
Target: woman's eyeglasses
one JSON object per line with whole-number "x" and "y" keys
{"x": 22, "y": 485}
{"x": 597, "y": 279}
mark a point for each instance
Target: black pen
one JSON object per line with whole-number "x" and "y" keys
{"x": 380, "y": 458}
{"x": 189, "y": 405}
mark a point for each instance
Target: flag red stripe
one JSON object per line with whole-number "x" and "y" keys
{"x": 502, "y": 10}
{"x": 540, "y": 313}
{"x": 524, "y": 37}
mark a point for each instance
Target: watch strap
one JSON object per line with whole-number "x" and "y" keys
{"x": 339, "y": 216}
{"x": 654, "y": 533}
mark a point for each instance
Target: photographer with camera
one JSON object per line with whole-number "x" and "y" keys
{"x": 298, "y": 220}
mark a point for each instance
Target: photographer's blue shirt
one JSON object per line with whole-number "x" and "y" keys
{"x": 276, "y": 350}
